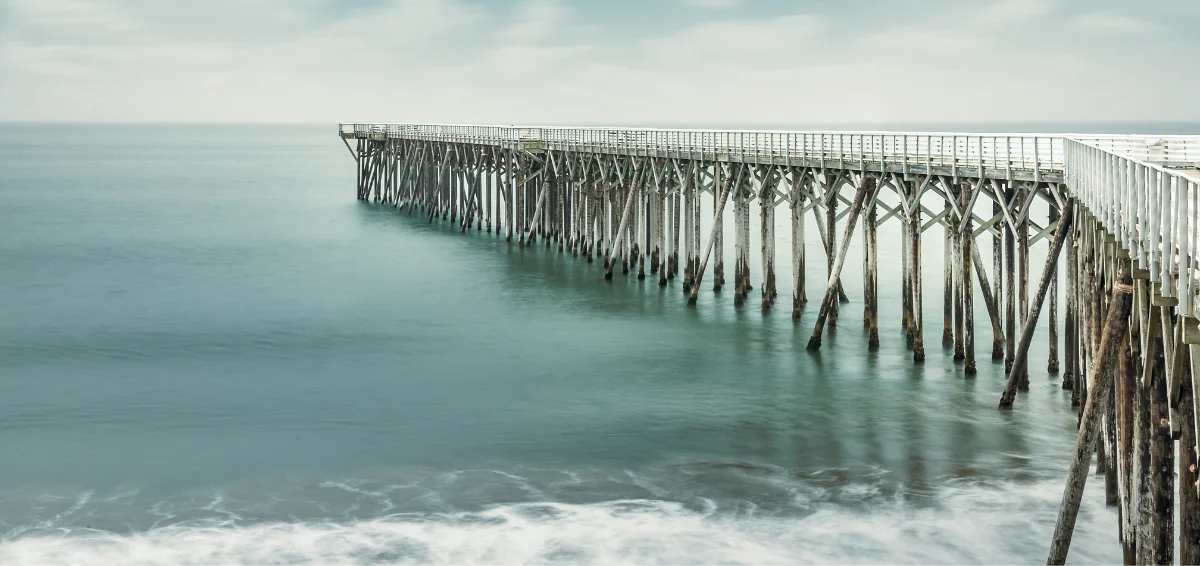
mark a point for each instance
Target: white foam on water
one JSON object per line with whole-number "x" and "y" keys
{"x": 965, "y": 523}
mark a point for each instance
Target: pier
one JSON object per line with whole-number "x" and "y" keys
{"x": 1121, "y": 224}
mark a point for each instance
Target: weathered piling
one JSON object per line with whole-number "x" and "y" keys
{"x": 872, "y": 300}
{"x": 734, "y": 181}
{"x": 1110, "y": 345}
{"x": 630, "y": 197}
{"x": 1022, "y": 236}
{"x": 766, "y": 208}
{"x": 799, "y": 298}
{"x": 829, "y": 303}
{"x": 966, "y": 257}
{"x": 914, "y": 234}
{"x": 998, "y": 336}
{"x": 1189, "y": 474}
{"x": 831, "y": 206}
{"x": 1052, "y": 361}
{"x": 719, "y": 233}
{"x": 948, "y": 267}
{"x": 1015, "y": 373}
{"x": 954, "y": 229}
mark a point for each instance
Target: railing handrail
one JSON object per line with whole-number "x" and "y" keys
{"x": 1078, "y": 136}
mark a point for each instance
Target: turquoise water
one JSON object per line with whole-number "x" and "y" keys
{"x": 211, "y": 352}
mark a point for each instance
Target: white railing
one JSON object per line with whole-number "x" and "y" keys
{"x": 1149, "y": 208}
{"x": 997, "y": 153}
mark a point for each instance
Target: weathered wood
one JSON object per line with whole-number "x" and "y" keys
{"x": 631, "y": 189}
{"x": 998, "y": 336}
{"x": 1010, "y": 286}
{"x": 732, "y": 183}
{"x": 1015, "y": 374}
{"x": 829, "y": 303}
{"x": 914, "y": 258}
{"x": 872, "y": 244}
{"x": 989, "y": 300}
{"x": 948, "y": 268}
{"x": 1189, "y": 474}
{"x": 957, "y": 238}
{"x": 1161, "y": 528}
{"x": 823, "y": 232}
{"x": 831, "y": 206}
{"x": 967, "y": 290}
{"x": 799, "y": 295}
{"x": 766, "y": 201}
{"x": 719, "y": 233}
{"x": 1125, "y": 392}
{"x": 1052, "y": 361}
{"x": 537, "y": 210}
{"x": 1110, "y": 345}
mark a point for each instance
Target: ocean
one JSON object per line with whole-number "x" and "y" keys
{"x": 210, "y": 352}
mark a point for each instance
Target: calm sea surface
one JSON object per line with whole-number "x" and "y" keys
{"x": 211, "y": 352}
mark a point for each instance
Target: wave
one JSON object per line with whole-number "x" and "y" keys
{"x": 966, "y": 522}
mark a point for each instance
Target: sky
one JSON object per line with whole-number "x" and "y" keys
{"x": 631, "y": 62}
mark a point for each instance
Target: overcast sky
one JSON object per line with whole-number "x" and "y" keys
{"x": 601, "y": 62}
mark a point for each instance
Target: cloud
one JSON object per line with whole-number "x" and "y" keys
{"x": 1010, "y": 11}
{"x": 1111, "y": 21}
{"x": 722, "y": 4}
{"x": 552, "y": 61}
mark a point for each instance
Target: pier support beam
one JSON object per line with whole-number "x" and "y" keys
{"x": 799, "y": 297}
{"x": 965, "y": 258}
{"x": 719, "y": 227}
{"x": 733, "y": 183}
{"x": 741, "y": 246}
{"x": 766, "y": 205}
{"x": 871, "y": 283}
{"x": 1110, "y": 346}
{"x": 948, "y": 269}
{"x": 829, "y": 303}
{"x": 631, "y": 189}
{"x": 914, "y": 234}
{"x": 1015, "y": 374}
{"x": 998, "y": 279}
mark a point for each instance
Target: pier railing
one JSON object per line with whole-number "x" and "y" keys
{"x": 1150, "y": 208}
{"x": 997, "y": 153}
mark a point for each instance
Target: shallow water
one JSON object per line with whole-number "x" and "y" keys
{"x": 210, "y": 352}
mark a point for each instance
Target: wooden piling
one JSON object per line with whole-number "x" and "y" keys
{"x": 1189, "y": 502}
{"x": 799, "y": 298}
{"x": 831, "y": 205}
{"x": 1052, "y": 361}
{"x": 719, "y": 233}
{"x": 914, "y": 233}
{"x": 966, "y": 257}
{"x": 1015, "y": 373}
{"x": 732, "y": 183}
{"x": 948, "y": 268}
{"x": 998, "y": 336}
{"x": 1110, "y": 345}
{"x": 957, "y": 238}
{"x": 872, "y": 243}
{"x": 631, "y": 196}
{"x": 1022, "y": 236}
{"x": 1010, "y": 286}
{"x": 829, "y": 303}
{"x": 766, "y": 201}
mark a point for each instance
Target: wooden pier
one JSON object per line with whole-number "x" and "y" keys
{"x": 1122, "y": 224}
